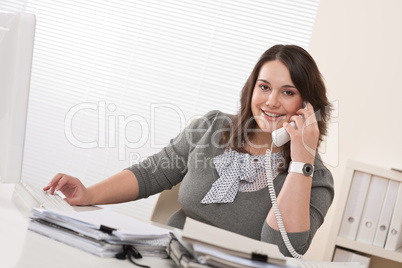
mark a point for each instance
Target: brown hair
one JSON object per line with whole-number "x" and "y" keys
{"x": 306, "y": 78}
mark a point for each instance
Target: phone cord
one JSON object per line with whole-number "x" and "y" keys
{"x": 277, "y": 213}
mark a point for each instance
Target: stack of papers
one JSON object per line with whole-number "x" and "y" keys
{"x": 101, "y": 232}
{"x": 97, "y": 247}
{"x": 212, "y": 246}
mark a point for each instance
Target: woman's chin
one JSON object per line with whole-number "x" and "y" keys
{"x": 263, "y": 131}
{"x": 268, "y": 127}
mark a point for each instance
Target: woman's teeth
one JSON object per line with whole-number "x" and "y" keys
{"x": 272, "y": 115}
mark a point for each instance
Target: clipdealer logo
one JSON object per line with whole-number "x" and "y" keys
{"x": 112, "y": 127}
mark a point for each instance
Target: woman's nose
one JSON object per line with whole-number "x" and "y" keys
{"x": 273, "y": 99}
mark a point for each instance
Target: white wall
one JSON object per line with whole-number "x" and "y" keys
{"x": 358, "y": 47}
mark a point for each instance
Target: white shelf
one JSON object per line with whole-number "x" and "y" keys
{"x": 369, "y": 249}
{"x": 375, "y": 170}
{"x": 337, "y": 241}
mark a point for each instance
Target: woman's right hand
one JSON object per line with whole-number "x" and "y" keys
{"x": 76, "y": 193}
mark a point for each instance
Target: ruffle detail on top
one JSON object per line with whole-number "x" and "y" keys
{"x": 233, "y": 167}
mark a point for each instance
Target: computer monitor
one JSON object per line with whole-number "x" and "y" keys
{"x": 17, "y": 32}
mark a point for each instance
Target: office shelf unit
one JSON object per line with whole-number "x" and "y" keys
{"x": 379, "y": 255}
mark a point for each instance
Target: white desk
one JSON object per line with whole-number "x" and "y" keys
{"x": 20, "y": 247}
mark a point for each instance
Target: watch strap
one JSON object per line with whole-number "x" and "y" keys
{"x": 301, "y": 168}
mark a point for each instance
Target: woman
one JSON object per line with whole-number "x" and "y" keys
{"x": 219, "y": 159}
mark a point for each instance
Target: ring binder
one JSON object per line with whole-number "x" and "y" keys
{"x": 212, "y": 243}
{"x": 180, "y": 255}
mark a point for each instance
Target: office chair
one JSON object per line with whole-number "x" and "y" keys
{"x": 166, "y": 205}
{"x": 167, "y": 202}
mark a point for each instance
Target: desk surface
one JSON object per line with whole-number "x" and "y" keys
{"x": 20, "y": 247}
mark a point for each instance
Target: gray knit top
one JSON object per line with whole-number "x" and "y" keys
{"x": 188, "y": 159}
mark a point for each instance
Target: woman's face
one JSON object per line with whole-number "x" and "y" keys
{"x": 275, "y": 98}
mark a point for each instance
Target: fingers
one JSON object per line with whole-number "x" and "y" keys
{"x": 310, "y": 126}
{"x": 57, "y": 182}
{"x": 304, "y": 139}
{"x": 62, "y": 182}
{"x": 308, "y": 115}
{"x": 72, "y": 188}
{"x": 53, "y": 183}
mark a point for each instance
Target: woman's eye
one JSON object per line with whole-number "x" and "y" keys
{"x": 288, "y": 93}
{"x": 264, "y": 87}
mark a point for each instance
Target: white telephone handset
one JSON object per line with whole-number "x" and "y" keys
{"x": 280, "y": 136}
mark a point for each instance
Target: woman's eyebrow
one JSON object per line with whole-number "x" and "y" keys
{"x": 290, "y": 86}
{"x": 265, "y": 81}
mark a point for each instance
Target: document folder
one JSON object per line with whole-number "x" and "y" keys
{"x": 354, "y": 205}
{"x": 207, "y": 236}
{"x": 394, "y": 238}
{"x": 372, "y": 210}
{"x": 386, "y": 214}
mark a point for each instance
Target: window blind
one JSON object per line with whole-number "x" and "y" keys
{"x": 113, "y": 81}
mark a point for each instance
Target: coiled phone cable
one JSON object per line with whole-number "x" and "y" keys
{"x": 271, "y": 189}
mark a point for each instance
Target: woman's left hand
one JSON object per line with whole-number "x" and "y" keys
{"x": 303, "y": 139}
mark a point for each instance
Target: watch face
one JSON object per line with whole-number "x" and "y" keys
{"x": 308, "y": 169}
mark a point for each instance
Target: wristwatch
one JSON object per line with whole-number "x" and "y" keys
{"x": 302, "y": 168}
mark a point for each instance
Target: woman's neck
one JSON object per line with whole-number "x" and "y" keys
{"x": 258, "y": 143}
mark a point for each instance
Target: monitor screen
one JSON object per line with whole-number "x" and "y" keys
{"x": 16, "y": 49}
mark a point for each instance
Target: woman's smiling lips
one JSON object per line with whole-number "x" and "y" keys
{"x": 272, "y": 116}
